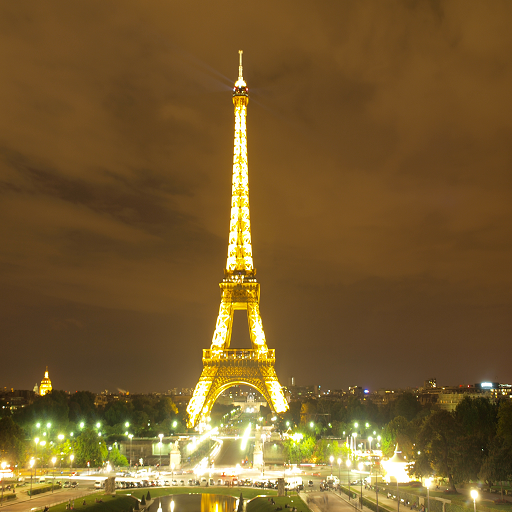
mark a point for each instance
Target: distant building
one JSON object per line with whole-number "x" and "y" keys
{"x": 430, "y": 384}
{"x": 46, "y": 384}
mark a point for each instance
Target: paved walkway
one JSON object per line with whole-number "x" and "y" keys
{"x": 24, "y": 503}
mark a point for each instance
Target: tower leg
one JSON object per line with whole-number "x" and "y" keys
{"x": 223, "y": 327}
{"x": 256, "y": 327}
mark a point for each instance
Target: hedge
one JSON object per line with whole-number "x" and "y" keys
{"x": 8, "y": 497}
{"x": 45, "y": 488}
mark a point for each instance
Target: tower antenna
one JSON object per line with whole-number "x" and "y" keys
{"x": 240, "y": 67}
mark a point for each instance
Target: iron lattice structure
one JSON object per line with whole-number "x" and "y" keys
{"x": 224, "y": 367}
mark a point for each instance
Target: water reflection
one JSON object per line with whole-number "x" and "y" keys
{"x": 194, "y": 503}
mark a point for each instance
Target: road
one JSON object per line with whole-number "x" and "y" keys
{"x": 231, "y": 453}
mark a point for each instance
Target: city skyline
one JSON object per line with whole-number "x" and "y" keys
{"x": 380, "y": 186}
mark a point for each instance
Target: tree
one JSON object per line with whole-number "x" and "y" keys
{"x": 115, "y": 457}
{"x": 497, "y": 466}
{"x": 437, "y": 444}
{"x": 90, "y": 448}
{"x": 12, "y": 445}
{"x": 81, "y": 407}
{"x": 406, "y": 406}
{"x": 398, "y": 431}
{"x": 118, "y": 412}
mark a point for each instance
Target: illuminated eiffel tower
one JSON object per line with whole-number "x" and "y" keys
{"x": 224, "y": 367}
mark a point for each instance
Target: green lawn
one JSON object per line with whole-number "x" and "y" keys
{"x": 109, "y": 504}
{"x": 264, "y": 505}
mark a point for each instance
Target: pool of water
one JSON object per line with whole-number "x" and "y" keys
{"x": 194, "y": 503}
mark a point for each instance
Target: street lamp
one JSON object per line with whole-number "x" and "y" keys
{"x": 474, "y": 495}
{"x": 331, "y": 458}
{"x": 36, "y": 440}
{"x": 361, "y": 466}
{"x": 54, "y": 460}
{"x": 130, "y": 437}
{"x": 71, "y": 459}
{"x": 160, "y": 445}
{"x": 31, "y": 466}
{"x": 349, "y": 462}
{"x": 263, "y": 438}
{"x": 4, "y": 464}
{"x": 354, "y": 435}
{"x": 428, "y": 483}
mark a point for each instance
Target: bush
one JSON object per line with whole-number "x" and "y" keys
{"x": 44, "y": 488}
{"x": 7, "y": 497}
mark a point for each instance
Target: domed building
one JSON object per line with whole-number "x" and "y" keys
{"x": 46, "y": 384}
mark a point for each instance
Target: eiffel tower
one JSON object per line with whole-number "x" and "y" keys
{"x": 224, "y": 367}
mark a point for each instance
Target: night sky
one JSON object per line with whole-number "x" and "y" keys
{"x": 380, "y": 168}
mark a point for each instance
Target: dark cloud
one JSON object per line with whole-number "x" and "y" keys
{"x": 380, "y": 171}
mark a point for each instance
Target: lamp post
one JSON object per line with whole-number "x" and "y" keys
{"x": 377, "y": 495}
{"x": 339, "y": 471}
{"x": 4, "y": 464}
{"x": 354, "y": 435}
{"x": 130, "y": 437}
{"x": 428, "y": 483}
{"x": 349, "y": 462}
{"x": 54, "y": 460}
{"x": 474, "y": 495}
{"x": 71, "y": 459}
{"x": 331, "y": 458}
{"x": 263, "y": 438}
{"x": 370, "y": 439}
{"x": 160, "y": 445}
{"x": 31, "y": 466}
{"x": 361, "y": 466}
{"x": 397, "y": 496}
{"x": 36, "y": 440}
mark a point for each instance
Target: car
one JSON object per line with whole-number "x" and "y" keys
{"x": 182, "y": 482}
{"x": 219, "y": 481}
{"x": 74, "y": 485}
{"x": 190, "y": 481}
{"x": 174, "y": 482}
{"x": 310, "y": 483}
{"x": 67, "y": 484}
{"x": 324, "y": 487}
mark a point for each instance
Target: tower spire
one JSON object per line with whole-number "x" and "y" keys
{"x": 240, "y": 82}
{"x": 239, "y": 259}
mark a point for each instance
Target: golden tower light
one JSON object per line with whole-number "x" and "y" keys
{"x": 222, "y": 366}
